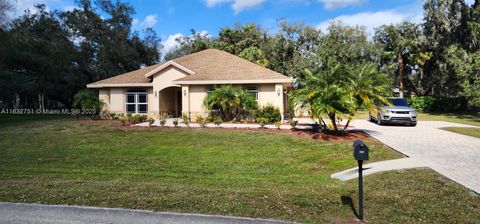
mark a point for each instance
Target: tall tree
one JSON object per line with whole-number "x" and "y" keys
{"x": 41, "y": 58}
{"x": 444, "y": 25}
{"x": 399, "y": 43}
{"x": 95, "y": 36}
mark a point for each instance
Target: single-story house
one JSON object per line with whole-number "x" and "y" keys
{"x": 179, "y": 86}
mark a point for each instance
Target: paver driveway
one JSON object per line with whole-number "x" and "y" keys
{"x": 453, "y": 155}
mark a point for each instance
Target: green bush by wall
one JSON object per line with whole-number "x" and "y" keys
{"x": 439, "y": 104}
{"x": 270, "y": 113}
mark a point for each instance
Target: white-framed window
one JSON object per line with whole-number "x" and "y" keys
{"x": 210, "y": 90}
{"x": 136, "y": 102}
{"x": 253, "y": 91}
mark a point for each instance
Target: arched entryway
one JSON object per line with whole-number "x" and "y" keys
{"x": 170, "y": 101}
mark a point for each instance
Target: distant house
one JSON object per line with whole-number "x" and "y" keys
{"x": 180, "y": 85}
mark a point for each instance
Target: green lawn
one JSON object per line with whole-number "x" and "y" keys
{"x": 475, "y": 132}
{"x": 471, "y": 119}
{"x": 229, "y": 172}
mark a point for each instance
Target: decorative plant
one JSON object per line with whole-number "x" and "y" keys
{"x": 88, "y": 100}
{"x": 217, "y": 121}
{"x": 201, "y": 121}
{"x": 293, "y": 123}
{"x": 278, "y": 124}
{"x": 175, "y": 122}
{"x": 186, "y": 120}
{"x": 270, "y": 113}
{"x": 262, "y": 122}
{"x": 124, "y": 120}
{"x": 137, "y": 118}
{"x": 150, "y": 121}
{"x": 162, "y": 122}
{"x": 232, "y": 102}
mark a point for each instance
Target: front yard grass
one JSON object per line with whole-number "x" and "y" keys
{"x": 229, "y": 172}
{"x": 474, "y": 132}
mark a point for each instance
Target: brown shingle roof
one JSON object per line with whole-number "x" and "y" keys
{"x": 213, "y": 64}
{"x": 137, "y": 76}
{"x": 210, "y": 64}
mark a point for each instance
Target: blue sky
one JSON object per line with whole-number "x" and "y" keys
{"x": 174, "y": 18}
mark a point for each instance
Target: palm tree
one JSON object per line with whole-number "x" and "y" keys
{"x": 231, "y": 101}
{"x": 324, "y": 93}
{"x": 369, "y": 87}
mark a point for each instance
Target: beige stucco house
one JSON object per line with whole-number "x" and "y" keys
{"x": 179, "y": 86}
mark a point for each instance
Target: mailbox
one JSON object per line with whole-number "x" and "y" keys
{"x": 360, "y": 150}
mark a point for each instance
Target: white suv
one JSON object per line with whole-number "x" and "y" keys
{"x": 398, "y": 113}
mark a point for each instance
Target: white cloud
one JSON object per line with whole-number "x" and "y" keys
{"x": 148, "y": 22}
{"x": 237, "y": 5}
{"x": 335, "y": 4}
{"x": 371, "y": 20}
{"x": 240, "y": 5}
{"x": 171, "y": 42}
{"x": 212, "y": 3}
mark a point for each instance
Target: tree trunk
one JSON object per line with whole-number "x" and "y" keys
{"x": 348, "y": 123}
{"x": 41, "y": 102}
{"x": 17, "y": 101}
{"x": 400, "y": 73}
{"x": 323, "y": 125}
{"x": 334, "y": 123}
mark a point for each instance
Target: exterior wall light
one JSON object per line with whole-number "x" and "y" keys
{"x": 278, "y": 92}
{"x": 184, "y": 92}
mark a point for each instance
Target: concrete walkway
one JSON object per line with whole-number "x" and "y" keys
{"x": 376, "y": 167}
{"x": 453, "y": 155}
{"x": 14, "y": 213}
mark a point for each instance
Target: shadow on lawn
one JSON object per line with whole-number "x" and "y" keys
{"x": 347, "y": 200}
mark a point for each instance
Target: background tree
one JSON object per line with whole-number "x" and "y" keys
{"x": 40, "y": 62}
{"x": 52, "y": 55}
{"x": 197, "y": 41}
{"x": 399, "y": 43}
{"x": 444, "y": 25}
{"x": 95, "y": 36}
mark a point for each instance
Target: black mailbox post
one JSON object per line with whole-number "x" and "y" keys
{"x": 360, "y": 153}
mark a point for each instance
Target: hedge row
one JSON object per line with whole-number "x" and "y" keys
{"x": 439, "y": 104}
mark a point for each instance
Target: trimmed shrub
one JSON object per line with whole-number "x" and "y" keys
{"x": 150, "y": 120}
{"x": 162, "y": 122}
{"x": 278, "y": 124}
{"x": 175, "y": 122}
{"x": 438, "y": 104}
{"x": 186, "y": 120}
{"x": 138, "y": 118}
{"x": 217, "y": 121}
{"x": 270, "y": 113}
{"x": 124, "y": 120}
{"x": 293, "y": 123}
{"x": 201, "y": 121}
{"x": 262, "y": 122}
